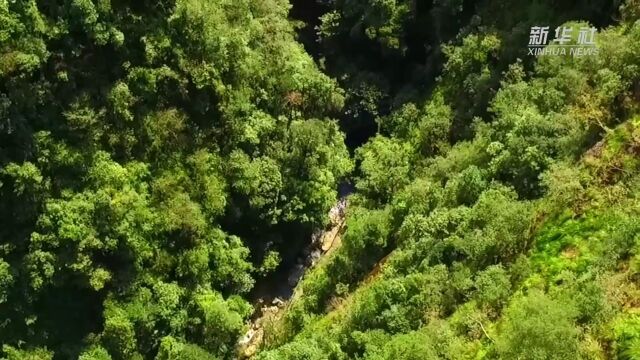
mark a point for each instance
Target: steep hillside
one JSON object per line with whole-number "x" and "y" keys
{"x": 519, "y": 243}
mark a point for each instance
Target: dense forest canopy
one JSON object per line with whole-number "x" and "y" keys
{"x": 154, "y": 155}
{"x": 160, "y": 160}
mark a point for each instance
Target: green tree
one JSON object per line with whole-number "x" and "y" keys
{"x": 173, "y": 349}
{"x": 493, "y": 287}
{"x": 537, "y": 327}
{"x": 384, "y": 167}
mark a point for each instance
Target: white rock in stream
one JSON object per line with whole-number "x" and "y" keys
{"x": 295, "y": 275}
{"x": 247, "y": 337}
{"x": 313, "y": 258}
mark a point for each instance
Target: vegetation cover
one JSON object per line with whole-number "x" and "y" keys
{"x": 153, "y": 155}
{"x": 161, "y": 159}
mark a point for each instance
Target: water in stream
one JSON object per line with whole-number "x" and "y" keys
{"x": 275, "y": 294}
